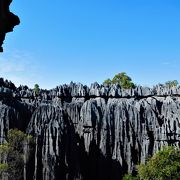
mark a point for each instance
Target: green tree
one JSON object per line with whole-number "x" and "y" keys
{"x": 122, "y": 79}
{"x": 173, "y": 83}
{"x": 130, "y": 177}
{"x": 36, "y": 89}
{"x": 13, "y": 154}
{"x": 107, "y": 82}
{"x": 164, "y": 165}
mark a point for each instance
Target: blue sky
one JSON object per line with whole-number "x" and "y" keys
{"x": 90, "y": 40}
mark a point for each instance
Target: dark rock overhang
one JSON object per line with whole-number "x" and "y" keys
{"x": 7, "y": 20}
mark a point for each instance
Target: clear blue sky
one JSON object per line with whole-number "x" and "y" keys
{"x": 90, "y": 40}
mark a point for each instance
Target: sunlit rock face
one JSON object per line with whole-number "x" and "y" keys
{"x": 85, "y": 133}
{"x": 7, "y": 20}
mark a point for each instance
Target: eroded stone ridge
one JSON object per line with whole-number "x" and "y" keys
{"x": 7, "y": 20}
{"x": 74, "y": 90}
{"x": 96, "y": 132}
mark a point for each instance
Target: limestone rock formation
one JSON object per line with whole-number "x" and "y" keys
{"x": 7, "y": 20}
{"x": 96, "y": 132}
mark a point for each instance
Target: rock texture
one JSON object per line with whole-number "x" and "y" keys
{"x": 97, "y": 132}
{"x": 7, "y": 20}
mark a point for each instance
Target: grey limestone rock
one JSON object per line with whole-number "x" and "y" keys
{"x": 99, "y": 132}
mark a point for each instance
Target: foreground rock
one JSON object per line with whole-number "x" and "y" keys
{"x": 92, "y": 132}
{"x": 7, "y": 20}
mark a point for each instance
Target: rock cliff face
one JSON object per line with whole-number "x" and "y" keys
{"x": 7, "y": 20}
{"x": 84, "y": 133}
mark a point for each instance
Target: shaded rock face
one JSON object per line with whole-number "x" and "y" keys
{"x": 84, "y": 133}
{"x": 7, "y": 20}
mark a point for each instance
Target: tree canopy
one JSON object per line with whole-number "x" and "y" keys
{"x": 163, "y": 165}
{"x": 170, "y": 84}
{"x": 122, "y": 79}
{"x": 12, "y": 154}
{"x": 36, "y": 89}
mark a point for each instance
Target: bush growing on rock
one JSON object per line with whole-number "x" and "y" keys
{"x": 122, "y": 79}
{"x": 14, "y": 154}
{"x": 129, "y": 177}
{"x": 171, "y": 84}
{"x": 164, "y": 165}
{"x": 36, "y": 89}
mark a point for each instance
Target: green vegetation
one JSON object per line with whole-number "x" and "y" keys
{"x": 107, "y": 82}
{"x": 130, "y": 177}
{"x": 13, "y": 154}
{"x": 170, "y": 84}
{"x": 36, "y": 89}
{"x": 164, "y": 165}
{"x": 122, "y": 79}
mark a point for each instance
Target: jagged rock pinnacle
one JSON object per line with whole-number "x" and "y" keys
{"x": 96, "y": 132}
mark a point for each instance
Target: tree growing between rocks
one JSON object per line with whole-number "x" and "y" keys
{"x": 122, "y": 79}
{"x": 36, "y": 89}
{"x": 163, "y": 165}
{"x": 14, "y": 155}
{"x": 171, "y": 84}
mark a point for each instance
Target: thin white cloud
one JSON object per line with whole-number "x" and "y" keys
{"x": 13, "y": 62}
{"x": 169, "y": 63}
{"x": 18, "y": 67}
{"x": 166, "y": 63}
{"x": 7, "y": 67}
